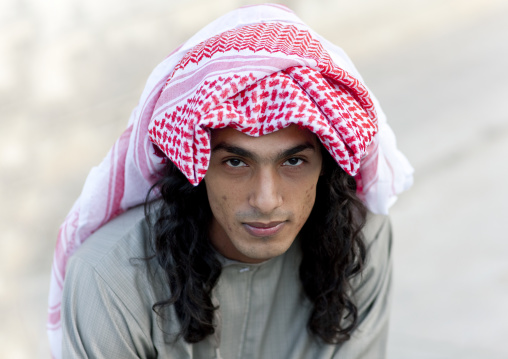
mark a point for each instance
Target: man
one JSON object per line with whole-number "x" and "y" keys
{"x": 263, "y": 152}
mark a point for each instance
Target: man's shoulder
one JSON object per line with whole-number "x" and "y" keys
{"x": 377, "y": 236}
{"x": 119, "y": 240}
{"x": 375, "y": 226}
{"x": 116, "y": 259}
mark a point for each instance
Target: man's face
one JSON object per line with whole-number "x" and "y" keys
{"x": 261, "y": 190}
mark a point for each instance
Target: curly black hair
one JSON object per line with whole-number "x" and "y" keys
{"x": 332, "y": 245}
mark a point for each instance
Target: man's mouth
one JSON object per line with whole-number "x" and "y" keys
{"x": 260, "y": 229}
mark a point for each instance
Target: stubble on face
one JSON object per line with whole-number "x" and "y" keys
{"x": 261, "y": 190}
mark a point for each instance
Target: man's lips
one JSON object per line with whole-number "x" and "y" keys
{"x": 260, "y": 229}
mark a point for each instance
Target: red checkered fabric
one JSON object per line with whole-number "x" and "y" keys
{"x": 225, "y": 80}
{"x": 297, "y": 95}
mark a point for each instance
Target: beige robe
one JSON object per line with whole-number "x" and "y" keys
{"x": 109, "y": 291}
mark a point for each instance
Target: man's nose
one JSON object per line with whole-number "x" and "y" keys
{"x": 265, "y": 194}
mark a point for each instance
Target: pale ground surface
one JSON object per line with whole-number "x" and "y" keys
{"x": 71, "y": 71}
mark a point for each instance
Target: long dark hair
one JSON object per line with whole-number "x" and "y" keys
{"x": 332, "y": 245}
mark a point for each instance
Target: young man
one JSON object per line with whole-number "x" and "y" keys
{"x": 264, "y": 153}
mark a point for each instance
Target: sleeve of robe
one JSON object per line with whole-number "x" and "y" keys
{"x": 116, "y": 334}
{"x": 373, "y": 294}
{"x": 103, "y": 297}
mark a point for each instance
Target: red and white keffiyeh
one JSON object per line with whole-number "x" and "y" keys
{"x": 257, "y": 69}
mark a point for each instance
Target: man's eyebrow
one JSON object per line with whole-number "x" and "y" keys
{"x": 294, "y": 150}
{"x": 234, "y": 150}
{"x": 239, "y": 151}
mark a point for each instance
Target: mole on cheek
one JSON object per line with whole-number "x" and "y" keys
{"x": 224, "y": 198}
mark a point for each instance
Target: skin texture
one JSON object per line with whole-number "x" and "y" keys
{"x": 261, "y": 190}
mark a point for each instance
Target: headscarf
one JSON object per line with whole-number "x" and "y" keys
{"x": 257, "y": 69}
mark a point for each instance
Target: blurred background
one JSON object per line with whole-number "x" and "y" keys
{"x": 72, "y": 70}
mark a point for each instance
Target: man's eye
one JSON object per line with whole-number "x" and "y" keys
{"x": 235, "y": 163}
{"x": 293, "y": 162}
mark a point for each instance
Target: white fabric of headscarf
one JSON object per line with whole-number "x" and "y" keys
{"x": 130, "y": 168}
